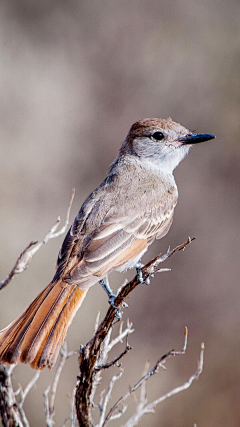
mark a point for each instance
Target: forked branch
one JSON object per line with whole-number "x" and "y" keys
{"x": 25, "y": 257}
{"x": 89, "y": 354}
{"x": 144, "y": 408}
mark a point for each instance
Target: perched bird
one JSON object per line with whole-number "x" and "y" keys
{"x": 132, "y": 207}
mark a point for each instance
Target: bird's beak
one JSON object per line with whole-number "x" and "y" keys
{"x": 195, "y": 138}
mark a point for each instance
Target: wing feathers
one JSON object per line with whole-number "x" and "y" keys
{"x": 119, "y": 243}
{"x": 111, "y": 222}
{"x": 107, "y": 230}
{"x": 122, "y": 257}
{"x": 100, "y": 249}
{"x": 107, "y": 257}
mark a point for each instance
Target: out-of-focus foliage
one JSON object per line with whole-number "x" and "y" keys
{"x": 74, "y": 75}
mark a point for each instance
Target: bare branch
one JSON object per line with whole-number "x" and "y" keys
{"x": 29, "y": 386}
{"x": 73, "y": 411}
{"x": 97, "y": 322}
{"x": 134, "y": 420}
{"x": 23, "y": 416}
{"x": 23, "y": 394}
{"x": 89, "y": 354}
{"x": 65, "y": 226}
{"x": 103, "y": 408}
{"x": 50, "y": 392}
{"x": 184, "y": 386}
{"x": 21, "y": 264}
{"x": 153, "y": 371}
{"x": 152, "y": 266}
{"x": 25, "y": 257}
{"x": 12, "y": 409}
{"x": 142, "y": 407}
{"x": 114, "y": 362}
{"x": 122, "y": 334}
{"x": 143, "y": 399}
{"x": 52, "y": 234}
{"x": 92, "y": 358}
{"x": 9, "y": 411}
{"x": 107, "y": 346}
{"x": 48, "y": 418}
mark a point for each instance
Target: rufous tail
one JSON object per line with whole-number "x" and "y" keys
{"x": 36, "y": 335}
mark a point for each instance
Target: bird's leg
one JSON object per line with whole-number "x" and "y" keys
{"x": 111, "y": 298}
{"x": 139, "y": 267}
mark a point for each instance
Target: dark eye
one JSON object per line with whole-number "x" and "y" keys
{"x": 158, "y": 136}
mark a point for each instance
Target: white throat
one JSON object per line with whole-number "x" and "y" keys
{"x": 167, "y": 161}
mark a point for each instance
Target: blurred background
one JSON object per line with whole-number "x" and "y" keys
{"x": 74, "y": 76}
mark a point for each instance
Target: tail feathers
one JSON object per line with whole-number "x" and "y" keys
{"x": 35, "y": 336}
{"x": 11, "y": 336}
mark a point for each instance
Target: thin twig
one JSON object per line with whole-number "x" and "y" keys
{"x": 152, "y": 267}
{"x": 134, "y": 420}
{"x": 103, "y": 355}
{"x": 89, "y": 354}
{"x": 25, "y": 257}
{"x": 108, "y": 396}
{"x": 73, "y": 411}
{"x": 184, "y": 386}
{"x": 114, "y": 362}
{"x": 50, "y": 392}
{"x": 20, "y": 265}
{"x": 72, "y": 417}
{"x": 23, "y": 416}
{"x": 52, "y": 234}
{"x": 29, "y": 386}
{"x": 48, "y": 418}
{"x": 97, "y": 322}
{"x": 153, "y": 371}
{"x": 122, "y": 334}
{"x": 143, "y": 399}
{"x": 142, "y": 407}
{"x": 23, "y": 394}
{"x": 9, "y": 410}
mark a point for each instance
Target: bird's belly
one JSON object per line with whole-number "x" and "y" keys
{"x": 132, "y": 262}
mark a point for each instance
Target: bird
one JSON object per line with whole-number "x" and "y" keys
{"x": 132, "y": 207}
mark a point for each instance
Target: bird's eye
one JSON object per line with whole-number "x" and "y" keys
{"x": 158, "y": 136}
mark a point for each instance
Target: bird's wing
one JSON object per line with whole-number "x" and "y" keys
{"x": 113, "y": 228}
{"x": 121, "y": 239}
{"x": 118, "y": 240}
{"x": 76, "y": 238}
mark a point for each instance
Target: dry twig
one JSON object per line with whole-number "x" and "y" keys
{"x": 50, "y": 392}
{"x": 25, "y": 257}
{"x": 142, "y": 407}
{"x": 23, "y": 395}
{"x": 11, "y": 411}
{"x": 90, "y": 353}
{"x": 92, "y": 358}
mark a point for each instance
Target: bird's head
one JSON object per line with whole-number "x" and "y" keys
{"x": 162, "y": 142}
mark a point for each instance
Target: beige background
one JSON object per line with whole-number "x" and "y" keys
{"x": 73, "y": 77}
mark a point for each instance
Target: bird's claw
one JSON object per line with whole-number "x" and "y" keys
{"x": 111, "y": 301}
{"x": 139, "y": 267}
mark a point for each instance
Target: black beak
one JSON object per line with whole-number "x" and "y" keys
{"x": 195, "y": 138}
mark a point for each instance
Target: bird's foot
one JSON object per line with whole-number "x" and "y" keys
{"x": 111, "y": 299}
{"x": 139, "y": 267}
